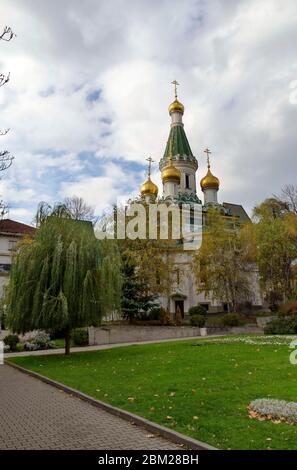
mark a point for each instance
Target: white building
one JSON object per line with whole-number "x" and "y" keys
{"x": 179, "y": 168}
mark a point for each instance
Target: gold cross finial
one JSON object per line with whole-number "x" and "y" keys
{"x": 175, "y": 83}
{"x": 150, "y": 161}
{"x": 208, "y": 152}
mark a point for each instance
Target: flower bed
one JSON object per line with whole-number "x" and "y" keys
{"x": 274, "y": 410}
{"x": 257, "y": 340}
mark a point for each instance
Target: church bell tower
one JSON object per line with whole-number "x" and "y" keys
{"x": 178, "y": 165}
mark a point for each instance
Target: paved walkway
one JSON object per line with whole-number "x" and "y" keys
{"x": 48, "y": 352}
{"x": 35, "y": 415}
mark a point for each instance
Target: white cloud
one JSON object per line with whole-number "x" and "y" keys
{"x": 101, "y": 192}
{"x": 234, "y": 60}
{"x": 21, "y": 214}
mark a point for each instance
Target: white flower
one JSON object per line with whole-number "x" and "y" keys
{"x": 275, "y": 409}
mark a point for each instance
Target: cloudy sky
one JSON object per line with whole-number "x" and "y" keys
{"x": 90, "y": 87}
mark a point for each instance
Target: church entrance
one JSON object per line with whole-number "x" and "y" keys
{"x": 180, "y": 304}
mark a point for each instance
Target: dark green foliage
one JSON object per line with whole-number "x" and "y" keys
{"x": 11, "y": 341}
{"x": 156, "y": 313}
{"x": 198, "y": 320}
{"x": 263, "y": 314}
{"x": 56, "y": 333}
{"x": 231, "y": 319}
{"x": 80, "y": 337}
{"x": 214, "y": 322}
{"x": 136, "y": 298}
{"x": 64, "y": 279}
{"x": 20, "y": 347}
{"x": 282, "y": 326}
{"x": 2, "y": 311}
{"x": 2, "y": 321}
{"x": 197, "y": 310}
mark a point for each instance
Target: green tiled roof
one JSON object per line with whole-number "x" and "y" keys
{"x": 178, "y": 143}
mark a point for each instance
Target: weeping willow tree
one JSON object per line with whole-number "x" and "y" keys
{"x": 64, "y": 279}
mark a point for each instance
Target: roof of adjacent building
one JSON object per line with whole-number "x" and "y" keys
{"x": 237, "y": 211}
{"x": 17, "y": 228}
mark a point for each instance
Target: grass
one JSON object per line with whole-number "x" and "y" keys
{"x": 59, "y": 343}
{"x": 200, "y": 388}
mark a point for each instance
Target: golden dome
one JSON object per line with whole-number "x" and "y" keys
{"x": 209, "y": 181}
{"x": 149, "y": 188}
{"x": 176, "y": 107}
{"x": 170, "y": 173}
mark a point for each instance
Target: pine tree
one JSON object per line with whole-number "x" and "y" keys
{"x": 136, "y": 297}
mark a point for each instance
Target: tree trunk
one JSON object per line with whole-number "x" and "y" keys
{"x": 67, "y": 341}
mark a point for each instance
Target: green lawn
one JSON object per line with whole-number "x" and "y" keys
{"x": 200, "y": 388}
{"x": 59, "y": 343}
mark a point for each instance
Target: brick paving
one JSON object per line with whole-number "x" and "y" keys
{"x": 35, "y": 415}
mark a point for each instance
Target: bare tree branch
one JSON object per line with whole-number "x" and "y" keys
{"x": 7, "y": 34}
{"x": 5, "y": 159}
{"x": 79, "y": 209}
{"x": 4, "y": 209}
{"x": 72, "y": 208}
{"x": 289, "y": 195}
{"x": 4, "y": 79}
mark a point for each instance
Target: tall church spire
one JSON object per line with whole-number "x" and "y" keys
{"x": 178, "y": 148}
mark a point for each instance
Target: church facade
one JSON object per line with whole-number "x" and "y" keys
{"x": 179, "y": 173}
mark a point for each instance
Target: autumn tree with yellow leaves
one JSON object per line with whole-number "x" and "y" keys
{"x": 275, "y": 232}
{"x": 225, "y": 261}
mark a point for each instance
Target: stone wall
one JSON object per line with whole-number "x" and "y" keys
{"x": 262, "y": 321}
{"x": 4, "y": 333}
{"x": 131, "y": 333}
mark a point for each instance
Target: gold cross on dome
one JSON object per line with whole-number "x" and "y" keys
{"x": 208, "y": 152}
{"x": 175, "y": 83}
{"x": 150, "y": 161}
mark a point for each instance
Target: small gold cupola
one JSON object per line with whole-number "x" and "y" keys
{"x": 209, "y": 181}
{"x": 176, "y": 106}
{"x": 170, "y": 172}
{"x": 149, "y": 188}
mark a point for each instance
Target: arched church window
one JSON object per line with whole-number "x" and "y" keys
{"x": 187, "y": 181}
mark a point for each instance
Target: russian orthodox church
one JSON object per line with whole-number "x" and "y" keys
{"x": 179, "y": 168}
